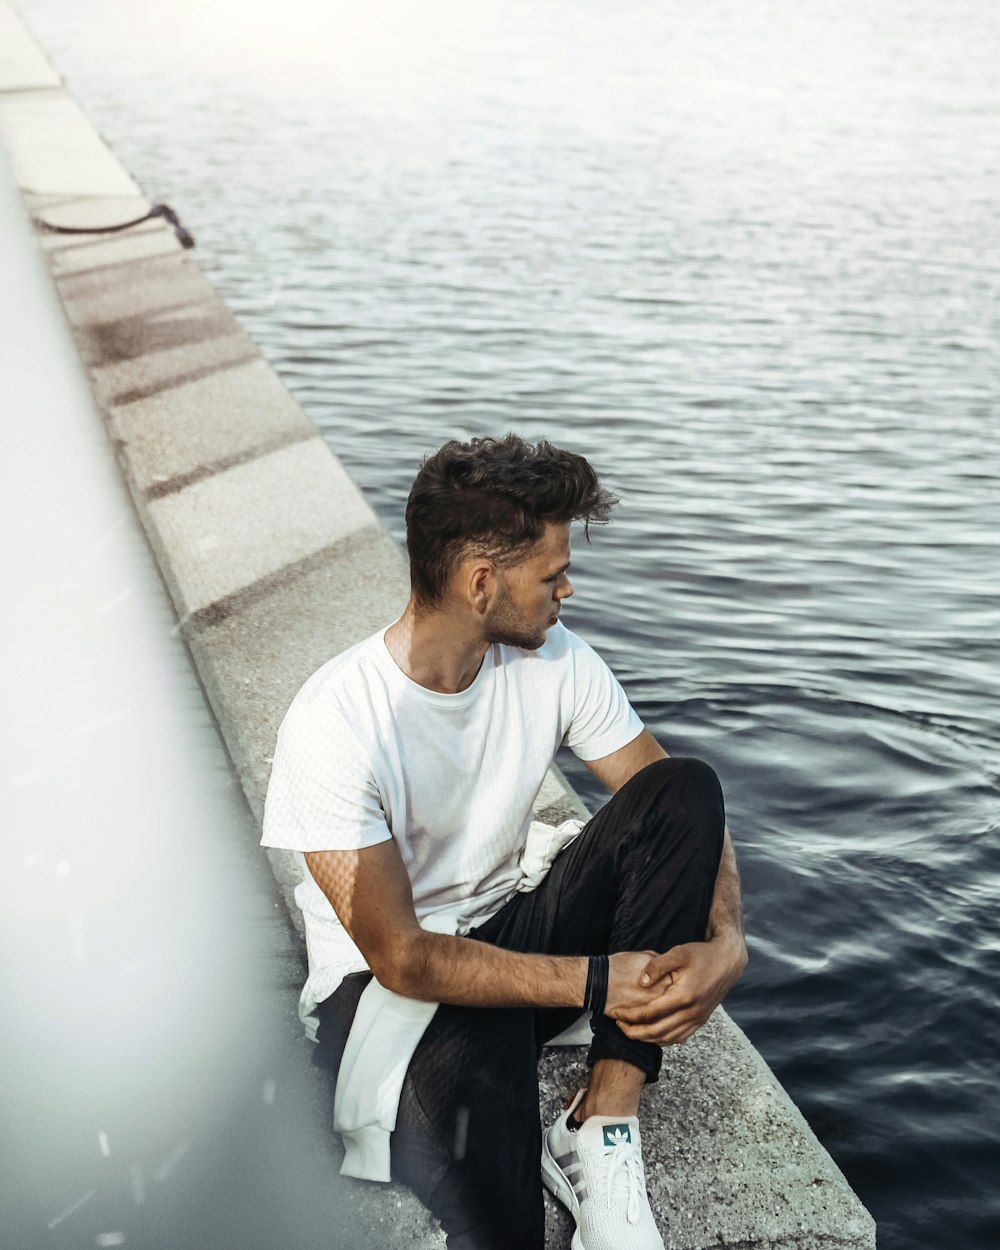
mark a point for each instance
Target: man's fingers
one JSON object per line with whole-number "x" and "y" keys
{"x": 662, "y": 966}
{"x": 671, "y": 1001}
{"x": 664, "y": 1032}
{"x": 660, "y": 1030}
{"x": 644, "y": 1030}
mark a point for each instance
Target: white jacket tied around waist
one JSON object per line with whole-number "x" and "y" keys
{"x": 387, "y": 1027}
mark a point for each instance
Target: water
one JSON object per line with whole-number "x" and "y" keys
{"x": 745, "y": 259}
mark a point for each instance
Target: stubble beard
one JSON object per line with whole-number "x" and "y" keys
{"x": 507, "y": 627}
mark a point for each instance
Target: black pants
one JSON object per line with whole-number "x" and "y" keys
{"x": 640, "y": 876}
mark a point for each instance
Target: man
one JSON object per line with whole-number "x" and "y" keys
{"x": 405, "y": 771}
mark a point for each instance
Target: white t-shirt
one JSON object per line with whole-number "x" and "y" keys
{"x": 365, "y": 753}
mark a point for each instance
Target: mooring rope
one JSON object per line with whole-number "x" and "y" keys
{"x": 158, "y": 210}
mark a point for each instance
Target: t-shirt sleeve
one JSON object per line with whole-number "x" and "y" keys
{"x": 603, "y": 719}
{"x": 322, "y": 794}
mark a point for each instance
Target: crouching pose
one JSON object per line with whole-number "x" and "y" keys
{"x": 450, "y": 936}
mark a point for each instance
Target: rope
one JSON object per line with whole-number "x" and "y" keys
{"x": 158, "y": 210}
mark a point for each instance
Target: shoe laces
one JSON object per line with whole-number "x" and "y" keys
{"x": 625, "y": 1172}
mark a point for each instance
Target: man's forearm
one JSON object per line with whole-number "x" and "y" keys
{"x": 725, "y": 918}
{"x": 438, "y": 968}
{"x": 442, "y": 969}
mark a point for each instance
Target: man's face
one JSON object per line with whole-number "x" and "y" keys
{"x": 529, "y": 595}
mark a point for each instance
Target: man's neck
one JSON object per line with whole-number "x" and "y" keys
{"x": 436, "y": 650}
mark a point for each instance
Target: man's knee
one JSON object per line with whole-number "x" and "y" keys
{"x": 685, "y": 775}
{"x": 687, "y": 796}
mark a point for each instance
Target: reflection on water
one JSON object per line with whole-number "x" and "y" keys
{"x": 744, "y": 257}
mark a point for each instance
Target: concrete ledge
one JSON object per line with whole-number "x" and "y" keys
{"x": 154, "y": 284}
{"x": 232, "y": 529}
{"x": 275, "y": 562}
{"x": 216, "y": 420}
{"x": 83, "y": 255}
{"x": 54, "y": 149}
{"x": 159, "y": 368}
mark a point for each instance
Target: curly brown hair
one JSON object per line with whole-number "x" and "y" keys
{"x": 492, "y": 497}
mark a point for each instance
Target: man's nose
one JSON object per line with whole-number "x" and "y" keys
{"x": 565, "y": 590}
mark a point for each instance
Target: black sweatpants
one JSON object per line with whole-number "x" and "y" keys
{"x": 640, "y": 876}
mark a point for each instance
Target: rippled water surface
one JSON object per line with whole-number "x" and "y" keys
{"x": 744, "y": 257}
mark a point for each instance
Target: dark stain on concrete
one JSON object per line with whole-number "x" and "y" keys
{"x": 125, "y": 338}
{"x": 181, "y": 480}
{"x": 190, "y": 375}
{"x": 161, "y": 270}
{"x": 272, "y": 583}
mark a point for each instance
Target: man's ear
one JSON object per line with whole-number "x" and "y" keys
{"x": 481, "y": 583}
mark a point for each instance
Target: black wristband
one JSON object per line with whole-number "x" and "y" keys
{"x": 596, "y": 993}
{"x": 601, "y": 985}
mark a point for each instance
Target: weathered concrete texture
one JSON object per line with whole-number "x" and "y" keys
{"x": 234, "y": 528}
{"x": 161, "y": 329}
{"x": 156, "y": 284}
{"x": 162, "y": 367}
{"x": 275, "y": 562}
{"x": 152, "y": 238}
{"x": 215, "y": 420}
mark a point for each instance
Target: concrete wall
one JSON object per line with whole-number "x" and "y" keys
{"x": 275, "y": 562}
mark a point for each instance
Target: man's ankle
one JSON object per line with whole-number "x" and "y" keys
{"x": 614, "y": 1089}
{"x": 603, "y": 1106}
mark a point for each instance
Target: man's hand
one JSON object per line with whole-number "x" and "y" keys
{"x": 625, "y": 989}
{"x": 684, "y": 987}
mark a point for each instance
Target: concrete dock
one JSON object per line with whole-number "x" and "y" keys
{"x": 183, "y": 550}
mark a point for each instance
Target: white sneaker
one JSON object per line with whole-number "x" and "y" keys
{"x": 597, "y": 1173}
